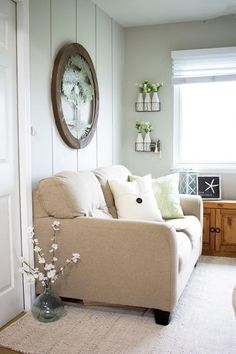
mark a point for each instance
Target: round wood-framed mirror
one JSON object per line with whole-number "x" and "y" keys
{"x": 75, "y": 95}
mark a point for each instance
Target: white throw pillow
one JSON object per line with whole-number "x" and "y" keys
{"x": 135, "y": 200}
{"x": 166, "y": 191}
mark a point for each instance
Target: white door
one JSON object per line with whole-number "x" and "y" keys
{"x": 11, "y": 288}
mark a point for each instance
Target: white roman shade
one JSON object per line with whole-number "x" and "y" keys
{"x": 204, "y": 65}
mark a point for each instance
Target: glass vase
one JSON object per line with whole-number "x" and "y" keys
{"x": 139, "y": 103}
{"x": 147, "y": 142}
{"x": 47, "y": 307}
{"x": 139, "y": 142}
{"x": 155, "y": 102}
{"x": 147, "y": 102}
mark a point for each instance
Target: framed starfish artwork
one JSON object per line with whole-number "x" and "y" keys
{"x": 209, "y": 187}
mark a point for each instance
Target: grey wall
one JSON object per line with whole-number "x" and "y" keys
{"x": 147, "y": 56}
{"x": 54, "y": 23}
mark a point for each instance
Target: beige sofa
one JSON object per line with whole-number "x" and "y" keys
{"x": 126, "y": 262}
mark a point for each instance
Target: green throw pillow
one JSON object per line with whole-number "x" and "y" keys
{"x": 166, "y": 190}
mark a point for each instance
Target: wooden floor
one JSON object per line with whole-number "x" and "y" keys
{"x": 8, "y": 351}
{"x": 5, "y": 350}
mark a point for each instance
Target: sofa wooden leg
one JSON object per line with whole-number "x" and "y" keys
{"x": 162, "y": 317}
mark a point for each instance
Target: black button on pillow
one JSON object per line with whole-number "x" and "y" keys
{"x": 139, "y": 200}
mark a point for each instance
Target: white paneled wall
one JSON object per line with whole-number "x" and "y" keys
{"x": 54, "y": 23}
{"x": 117, "y": 89}
{"x": 40, "y": 70}
{"x": 86, "y": 35}
{"x": 104, "y": 74}
{"x": 63, "y": 31}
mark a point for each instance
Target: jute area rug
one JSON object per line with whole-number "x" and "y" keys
{"x": 203, "y": 322}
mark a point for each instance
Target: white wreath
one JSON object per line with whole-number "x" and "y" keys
{"x": 77, "y": 82}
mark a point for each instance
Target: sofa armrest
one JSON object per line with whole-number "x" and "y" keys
{"x": 119, "y": 258}
{"x": 192, "y": 205}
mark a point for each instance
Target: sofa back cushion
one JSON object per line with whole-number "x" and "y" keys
{"x": 69, "y": 194}
{"x": 111, "y": 172}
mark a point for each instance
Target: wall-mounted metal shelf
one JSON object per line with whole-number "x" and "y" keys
{"x": 147, "y": 107}
{"x": 154, "y": 146}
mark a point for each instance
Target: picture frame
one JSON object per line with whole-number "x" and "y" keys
{"x": 209, "y": 186}
{"x": 75, "y": 95}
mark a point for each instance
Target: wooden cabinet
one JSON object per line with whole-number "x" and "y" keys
{"x": 219, "y": 228}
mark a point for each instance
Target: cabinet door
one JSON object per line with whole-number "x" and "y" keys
{"x": 225, "y": 238}
{"x": 208, "y": 235}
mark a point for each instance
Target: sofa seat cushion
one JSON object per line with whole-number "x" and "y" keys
{"x": 190, "y": 225}
{"x": 70, "y": 194}
{"x": 184, "y": 249}
{"x": 111, "y": 172}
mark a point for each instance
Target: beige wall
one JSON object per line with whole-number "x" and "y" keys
{"x": 54, "y": 23}
{"x": 147, "y": 56}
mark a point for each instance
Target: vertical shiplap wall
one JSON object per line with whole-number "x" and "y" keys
{"x": 86, "y": 26}
{"x": 86, "y": 35}
{"x": 104, "y": 74}
{"x": 40, "y": 74}
{"x": 54, "y": 23}
{"x": 63, "y": 30}
{"x": 117, "y": 89}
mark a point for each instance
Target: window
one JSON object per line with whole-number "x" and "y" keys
{"x": 205, "y": 108}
